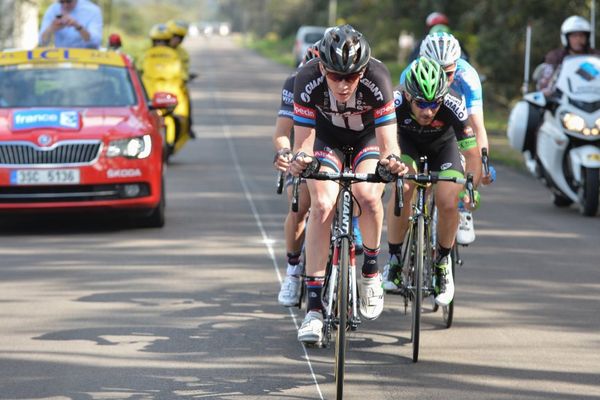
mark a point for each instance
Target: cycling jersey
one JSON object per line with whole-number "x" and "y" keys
{"x": 286, "y": 109}
{"x": 466, "y": 82}
{"x": 371, "y": 105}
{"x": 437, "y": 140}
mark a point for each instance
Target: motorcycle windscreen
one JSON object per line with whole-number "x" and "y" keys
{"x": 579, "y": 78}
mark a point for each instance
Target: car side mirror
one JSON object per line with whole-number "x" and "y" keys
{"x": 164, "y": 102}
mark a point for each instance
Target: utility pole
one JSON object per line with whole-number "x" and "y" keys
{"x": 593, "y": 23}
{"x": 332, "y": 12}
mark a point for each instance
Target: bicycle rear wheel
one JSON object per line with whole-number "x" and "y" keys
{"x": 342, "y": 309}
{"x": 417, "y": 297}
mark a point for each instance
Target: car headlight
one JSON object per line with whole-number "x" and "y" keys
{"x": 573, "y": 122}
{"x": 137, "y": 147}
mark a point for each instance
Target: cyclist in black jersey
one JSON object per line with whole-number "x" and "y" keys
{"x": 430, "y": 126}
{"x": 343, "y": 98}
{"x": 289, "y": 293}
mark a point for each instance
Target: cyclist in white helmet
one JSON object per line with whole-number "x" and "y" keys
{"x": 464, "y": 82}
{"x": 575, "y": 38}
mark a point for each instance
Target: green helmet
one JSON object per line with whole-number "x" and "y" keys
{"x": 426, "y": 80}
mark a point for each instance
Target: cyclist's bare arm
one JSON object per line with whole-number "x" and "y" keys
{"x": 476, "y": 122}
{"x": 473, "y": 163}
{"x": 304, "y": 141}
{"x": 281, "y": 141}
{"x": 387, "y": 140}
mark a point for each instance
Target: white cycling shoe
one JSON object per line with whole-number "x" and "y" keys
{"x": 289, "y": 294}
{"x": 466, "y": 231}
{"x": 446, "y": 282}
{"x": 371, "y": 297}
{"x": 311, "y": 331}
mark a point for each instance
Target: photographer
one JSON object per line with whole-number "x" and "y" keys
{"x": 72, "y": 23}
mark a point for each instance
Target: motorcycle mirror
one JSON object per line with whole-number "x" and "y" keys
{"x": 164, "y": 101}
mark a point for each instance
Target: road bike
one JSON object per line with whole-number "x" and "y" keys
{"x": 340, "y": 294}
{"x": 419, "y": 249}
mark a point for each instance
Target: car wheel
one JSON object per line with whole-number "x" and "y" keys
{"x": 156, "y": 218}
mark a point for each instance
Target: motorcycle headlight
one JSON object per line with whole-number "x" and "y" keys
{"x": 138, "y": 147}
{"x": 573, "y": 122}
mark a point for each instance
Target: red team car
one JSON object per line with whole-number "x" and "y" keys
{"x": 78, "y": 132}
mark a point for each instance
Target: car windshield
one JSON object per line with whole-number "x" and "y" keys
{"x": 65, "y": 85}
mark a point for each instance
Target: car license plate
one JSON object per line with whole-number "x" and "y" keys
{"x": 44, "y": 177}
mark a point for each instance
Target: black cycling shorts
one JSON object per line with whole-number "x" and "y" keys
{"x": 332, "y": 155}
{"x": 442, "y": 154}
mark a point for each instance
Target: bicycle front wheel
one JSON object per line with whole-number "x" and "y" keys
{"x": 417, "y": 296}
{"x": 342, "y": 310}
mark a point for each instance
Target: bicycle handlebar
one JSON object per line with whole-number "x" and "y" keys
{"x": 348, "y": 177}
{"x": 434, "y": 178}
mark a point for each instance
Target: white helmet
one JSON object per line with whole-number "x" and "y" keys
{"x": 441, "y": 47}
{"x": 574, "y": 23}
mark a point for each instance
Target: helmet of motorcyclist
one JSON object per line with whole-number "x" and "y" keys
{"x": 311, "y": 52}
{"x": 574, "y": 23}
{"x": 160, "y": 32}
{"x": 344, "y": 50}
{"x": 441, "y": 47}
{"x": 178, "y": 27}
{"x": 436, "y": 18}
{"x": 426, "y": 80}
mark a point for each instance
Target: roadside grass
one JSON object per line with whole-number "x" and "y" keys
{"x": 496, "y": 117}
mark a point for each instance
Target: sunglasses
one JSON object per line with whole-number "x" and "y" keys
{"x": 337, "y": 77}
{"x": 450, "y": 72}
{"x": 423, "y": 105}
{"x": 65, "y": 1}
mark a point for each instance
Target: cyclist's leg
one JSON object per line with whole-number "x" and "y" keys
{"x": 368, "y": 196}
{"x": 323, "y": 196}
{"x": 446, "y": 160}
{"x": 295, "y": 222}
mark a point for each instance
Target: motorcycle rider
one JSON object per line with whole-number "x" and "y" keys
{"x": 179, "y": 29}
{"x": 575, "y": 38}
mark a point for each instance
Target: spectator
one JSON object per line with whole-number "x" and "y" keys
{"x": 72, "y": 23}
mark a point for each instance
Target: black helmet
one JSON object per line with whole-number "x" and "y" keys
{"x": 345, "y": 50}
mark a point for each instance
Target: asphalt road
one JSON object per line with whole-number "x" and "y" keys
{"x": 92, "y": 308}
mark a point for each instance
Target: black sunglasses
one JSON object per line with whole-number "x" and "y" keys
{"x": 337, "y": 77}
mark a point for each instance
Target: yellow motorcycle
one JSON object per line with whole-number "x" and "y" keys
{"x": 162, "y": 71}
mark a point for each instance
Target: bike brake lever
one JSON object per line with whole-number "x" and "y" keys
{"x": 296, "y": 184}
{"x": 470, "y": 189}
{"x": 279, "y": 182}
{"x": 399, "y": 196}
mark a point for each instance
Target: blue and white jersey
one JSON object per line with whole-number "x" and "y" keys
{"x": 466, "y": 82}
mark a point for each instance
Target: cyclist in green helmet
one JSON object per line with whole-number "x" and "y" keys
{"x": 432, "y": 123}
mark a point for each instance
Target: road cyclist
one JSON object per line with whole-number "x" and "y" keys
{"x": 429, "y": 126}
{"x": 343, "y": 98}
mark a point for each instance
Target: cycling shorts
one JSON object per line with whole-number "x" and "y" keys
{"x": 442, "y": 154}
{"x": 331, "y": 155}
